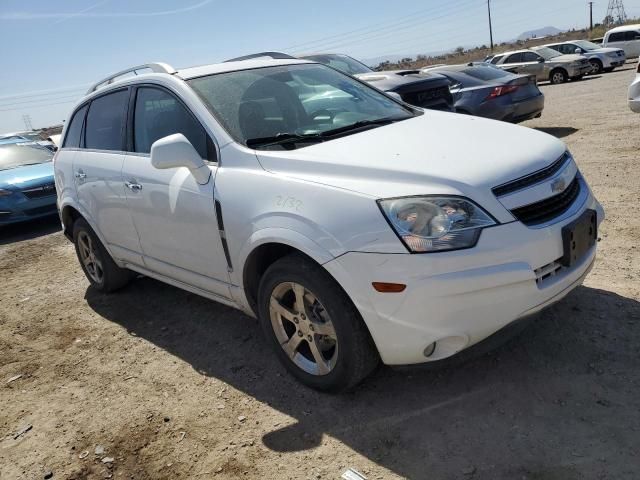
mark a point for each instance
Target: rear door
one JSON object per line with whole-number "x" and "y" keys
{"x": 98, "y": 175}
{"x": 174, "y": 215}
{"x": 513, "y": 63}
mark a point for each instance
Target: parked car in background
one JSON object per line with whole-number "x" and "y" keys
{"x": 27, "y": 189}
{"x": 546, "y": 64}
{"x": 485, "y": 91}
{"x": 626, "y": 37}
{"x": 55, "y": 140}
{"x": 355, "y": 231}
{"x": 601, "y": 58}
{"x": 420, "y": 89}
{"x": 634, "y": 92}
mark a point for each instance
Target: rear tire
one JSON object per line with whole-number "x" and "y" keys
{"x": 558, "y": 76}
{"x": 98, "y": 266}
{"x": 314, "y": 328}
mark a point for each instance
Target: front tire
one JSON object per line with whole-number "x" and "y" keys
{"x": 558, "y": 76}
{"x": 98, "y": 266}
{"x": 596, "y": 67}
{"x": 314, "y": 328}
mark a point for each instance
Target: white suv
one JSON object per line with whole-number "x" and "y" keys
{"x": 355, "y": 227}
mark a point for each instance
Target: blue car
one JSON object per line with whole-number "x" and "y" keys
{"x": 27, "y": 188}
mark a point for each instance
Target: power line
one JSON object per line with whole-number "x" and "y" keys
{"x": 41, "y": 93}
{"x": 39, "y": 100}
{"x": 37, "y": 106}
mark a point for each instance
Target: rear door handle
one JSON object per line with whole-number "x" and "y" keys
{"x": 136, "y": 187}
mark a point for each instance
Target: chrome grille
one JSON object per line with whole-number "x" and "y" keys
{"x": 532, "y": 178}
{"x": 46, "y": 190}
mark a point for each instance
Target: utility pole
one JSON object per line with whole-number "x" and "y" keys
{"x": 490, "y": 26}
{"x": 591, "y": 16}
{"x": 27, "y": 122}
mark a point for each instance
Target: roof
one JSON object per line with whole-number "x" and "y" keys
{"x": 193, "y": 72}
{"x": 624, "y": 28}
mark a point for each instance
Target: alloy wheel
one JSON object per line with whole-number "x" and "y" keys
{"x": 303, "y": 328}
{"x": 88, "y": 257}
{"x": 558, "y": 77}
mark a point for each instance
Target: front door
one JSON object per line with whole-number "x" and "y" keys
{"x": 175, "y": 216}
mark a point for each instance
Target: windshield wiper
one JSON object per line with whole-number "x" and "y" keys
{"x": 281, "y": 138}
{"x": 362, "y": 124}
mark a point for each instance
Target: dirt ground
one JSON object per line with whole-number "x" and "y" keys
{"x": 172, "y": 386}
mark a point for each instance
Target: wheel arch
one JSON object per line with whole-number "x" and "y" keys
{"x": 69, "y": 215}
{"x": 266, "y": 247}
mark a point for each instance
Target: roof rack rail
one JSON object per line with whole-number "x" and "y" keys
{"x": 274, "y": 55}
{"x": 154, "y": 67}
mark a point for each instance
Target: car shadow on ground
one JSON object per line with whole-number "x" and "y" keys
{"x": 556, "y": 402}
{"x": 18, "y": 232}
{"x": 559, "y": 132}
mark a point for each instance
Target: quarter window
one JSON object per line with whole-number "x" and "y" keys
{"x": 496, "y": 59}
{"x": 105, "y": 121}
{"x": 72, "y": 139}
{"x": 159, "y": 114}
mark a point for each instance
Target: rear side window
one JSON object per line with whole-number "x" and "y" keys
{"x": 105, "y": 120}
{"x": 515, "y": 58}
{"x": 159, "y": 114}
{"x": 619, "y": 37}
{"x": 72, "y": 139}
{"x": 530, "y": 57}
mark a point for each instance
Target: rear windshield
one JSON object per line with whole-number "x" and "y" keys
{"x": 343, "y": 63}
{"x": 20, "y": 155}
{"x": 486, "y": 73}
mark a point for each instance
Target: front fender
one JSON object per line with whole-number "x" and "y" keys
{"x": 282, "y": 236}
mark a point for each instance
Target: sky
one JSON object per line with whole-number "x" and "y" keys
{"x": 52, "y": 51}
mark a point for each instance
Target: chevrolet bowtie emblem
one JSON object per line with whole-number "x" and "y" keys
{"x": 558, "y": 185}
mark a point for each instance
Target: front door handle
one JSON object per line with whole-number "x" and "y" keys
{"x": 80, "y": 175}
{"x": 136, "y": 187}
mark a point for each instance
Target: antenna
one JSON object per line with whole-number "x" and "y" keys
{"x": 616, "y": 14}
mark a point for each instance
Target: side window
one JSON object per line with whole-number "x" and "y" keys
{"x": 159, "y": 114}
{"x": 496, "y": 59}
{"x": 617, "y": 37}
{"x": 72, "y": 139}
{"x": 634, "y": 36}
{"x": 567, "y": 49}
{"x": 105, "y": 121}
{"x": 530, "y": 57}
{"x": 515, "y": 58}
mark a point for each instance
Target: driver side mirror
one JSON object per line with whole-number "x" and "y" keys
{"x": 176, "y": 151}
{"x": 540, "y": 60}
{"x": 578, "y": 51}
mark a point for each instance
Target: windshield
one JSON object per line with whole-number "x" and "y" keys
{"x": 12, "y": 139}
{"x": 583, "y": 44}
{"x": 344, "y": 63}
{"x": 546, "y": 52}
{"x": 19, "y": 155}
{"x": 293, "y": 102}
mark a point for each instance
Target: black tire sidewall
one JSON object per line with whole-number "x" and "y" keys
{"x": 565, "y": 77}
{"x": 339, "y": 308}
{"x": 80, "y": 226}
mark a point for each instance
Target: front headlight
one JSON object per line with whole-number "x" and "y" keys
{"x": 5, "y": 193}
{"x": 612, "y": 54}
{"x": 435, "y": 224}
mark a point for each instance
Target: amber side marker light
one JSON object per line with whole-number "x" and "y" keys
{"x": 384, "y": 287}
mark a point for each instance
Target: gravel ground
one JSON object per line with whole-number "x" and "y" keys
{"x": 153, "y": 382}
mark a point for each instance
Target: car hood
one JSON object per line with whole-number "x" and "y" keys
{"x": 437, "y": 152}
{"x": 606, "y": 50}
{"x": 25, "y": 176}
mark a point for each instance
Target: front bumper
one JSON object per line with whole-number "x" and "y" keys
{"x": 579, "y": 71}
{"x": 15, "y": 212}
{"x": 456, "y": 299}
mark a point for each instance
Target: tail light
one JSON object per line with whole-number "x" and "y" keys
{"x": 500, "y": 91}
